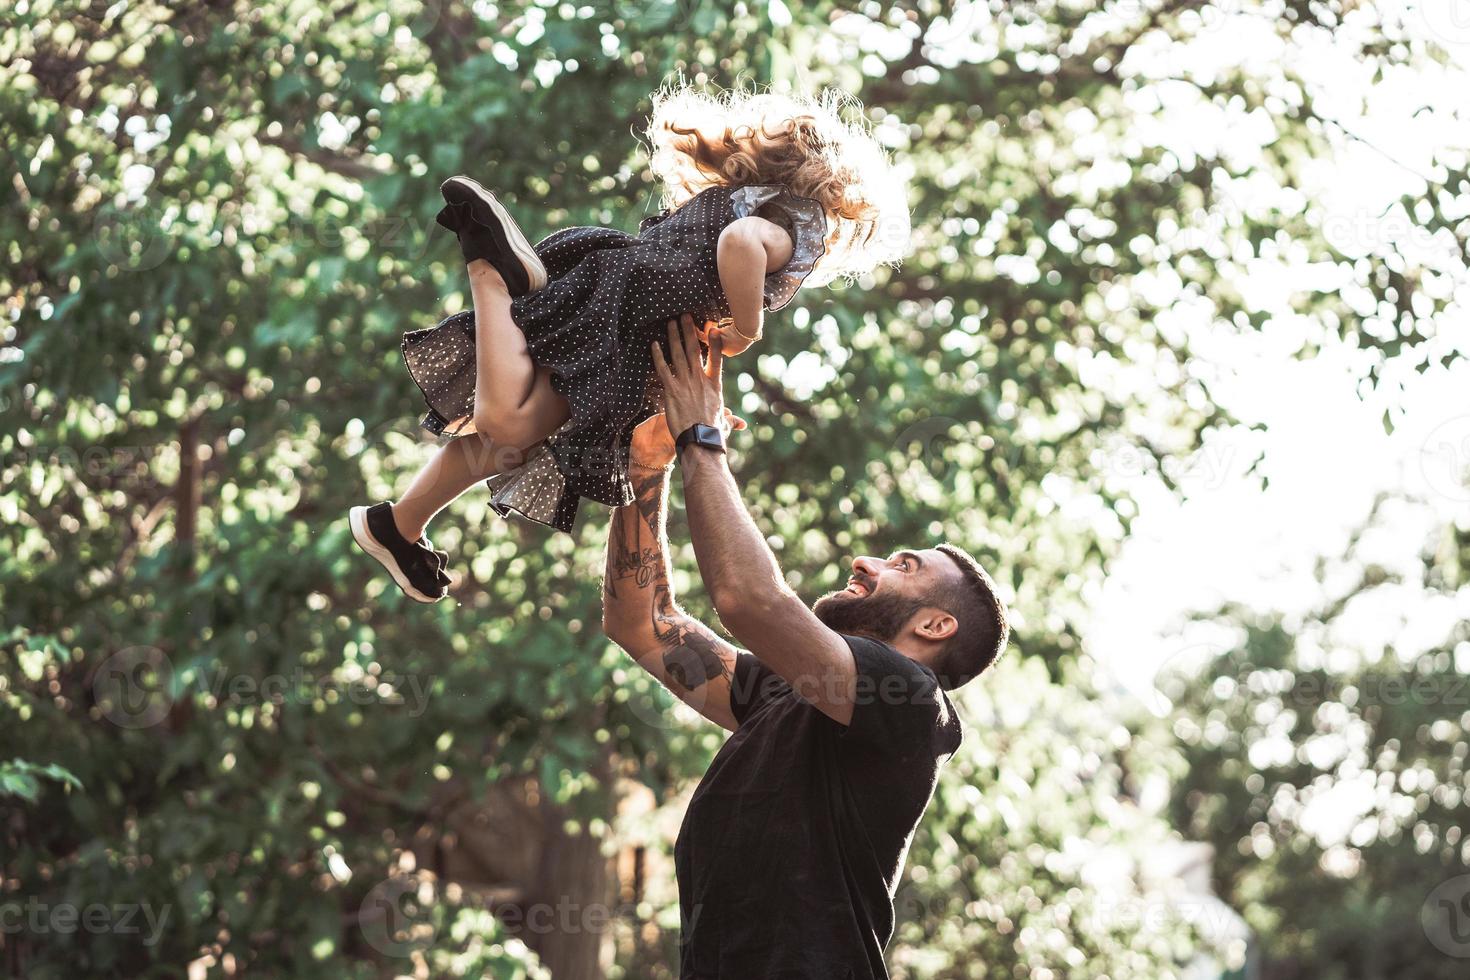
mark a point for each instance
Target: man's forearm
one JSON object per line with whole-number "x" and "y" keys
{"x": 636, "y": 587}
{"x": 638, "y": 598}
{"x": 734, "y": 560}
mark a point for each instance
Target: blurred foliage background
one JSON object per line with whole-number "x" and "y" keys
{"x": 220, "y": 729}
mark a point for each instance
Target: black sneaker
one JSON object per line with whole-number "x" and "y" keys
{"x": 487, "y": 231}
{"x": 415, "y": 566}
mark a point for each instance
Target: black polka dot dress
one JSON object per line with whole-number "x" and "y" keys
{"x": 609, "y": 295}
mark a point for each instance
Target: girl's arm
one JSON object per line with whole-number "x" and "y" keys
{"x": 749, "y": 249}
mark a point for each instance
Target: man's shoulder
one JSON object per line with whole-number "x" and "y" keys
{"x": 898, "y": 702}
{"x": 878, "y": 662}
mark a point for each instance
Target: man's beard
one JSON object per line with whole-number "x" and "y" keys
{"x": 878, "y": 616}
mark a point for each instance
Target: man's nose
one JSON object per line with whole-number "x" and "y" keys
{"x": 866, "y": 565}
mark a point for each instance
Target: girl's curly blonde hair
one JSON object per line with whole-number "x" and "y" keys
{"x": 820, "y": 147}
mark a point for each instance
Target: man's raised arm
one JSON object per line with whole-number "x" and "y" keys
{"x": 740, "y": 572}
{"x": 638, "y": 609}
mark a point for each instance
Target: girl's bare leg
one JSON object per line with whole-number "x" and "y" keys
{"x": 515, "y": 408}
{"x": 451, "y": 471}
{"x": 514, "y": 401}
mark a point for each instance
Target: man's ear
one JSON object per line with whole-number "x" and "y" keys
{"x": 934, "y": 625}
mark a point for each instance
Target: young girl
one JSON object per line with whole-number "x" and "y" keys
{"x": 546, "y": 378}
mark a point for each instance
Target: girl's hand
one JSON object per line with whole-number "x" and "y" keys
{"x": 732, "y": 341}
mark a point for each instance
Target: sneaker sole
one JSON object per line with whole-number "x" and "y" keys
{"x": 471, "y": 190}
{"x": 357, "y": 518}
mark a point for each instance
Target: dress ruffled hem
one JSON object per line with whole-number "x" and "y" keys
{"x": 536, "y": 490}
{"x": 539, "y": 489}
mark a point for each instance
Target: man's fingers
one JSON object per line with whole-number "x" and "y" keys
{"x": 675, "y": 363}
{"x": 691, "y": 345}
{"x": 684, "y": 355}
{"x": 659, "y": 366}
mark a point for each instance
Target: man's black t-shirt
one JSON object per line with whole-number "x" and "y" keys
{"x": 794, "y": 840}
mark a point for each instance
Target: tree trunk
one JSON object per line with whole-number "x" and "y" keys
{"x": 575, "y": 891}
{"x": 569, "y": 918}
{"x": 535, "y": 864}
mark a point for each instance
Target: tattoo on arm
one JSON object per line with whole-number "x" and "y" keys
{"x": 633, "y": 548}
{"x": 691, "y": 651}
{"x": 696, "y": 661}
{"x": 637, "y": 561}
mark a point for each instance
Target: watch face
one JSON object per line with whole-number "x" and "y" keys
{"x": 703, "y": 435}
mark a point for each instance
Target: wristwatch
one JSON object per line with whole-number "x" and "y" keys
{"x": 700, "y": 435}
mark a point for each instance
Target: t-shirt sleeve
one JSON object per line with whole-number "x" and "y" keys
{"x": 898, "y": 705}
{"x": 752, "y": 686}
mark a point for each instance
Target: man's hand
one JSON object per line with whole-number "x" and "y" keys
{"x": 693, "y": 392}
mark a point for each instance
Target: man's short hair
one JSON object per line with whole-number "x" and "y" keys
{"x": 983, "y": 626}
